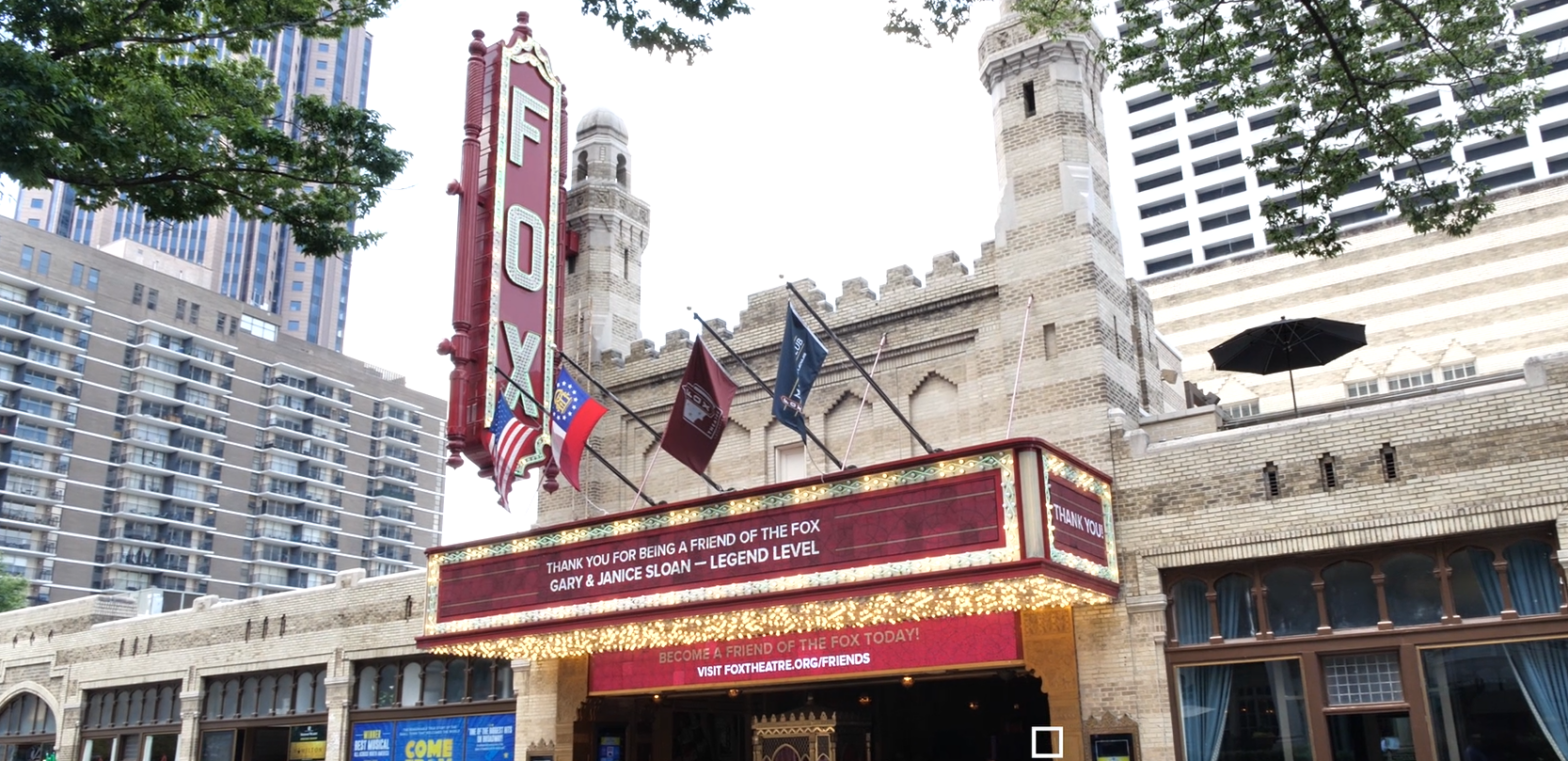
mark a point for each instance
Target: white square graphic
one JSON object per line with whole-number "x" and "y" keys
{"x": 1034, "y": 741}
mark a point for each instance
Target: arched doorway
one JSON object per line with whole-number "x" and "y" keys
{"x": 27, "y": 729}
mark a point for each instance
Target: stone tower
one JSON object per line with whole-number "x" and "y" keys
{"x": 604, "y": 280}
{"x": 1056, "y": 240}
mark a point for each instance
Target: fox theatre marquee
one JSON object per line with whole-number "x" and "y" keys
{"x": 923, "y": 564}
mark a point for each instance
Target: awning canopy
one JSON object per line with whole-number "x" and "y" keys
{"x": 1008, "y": 526}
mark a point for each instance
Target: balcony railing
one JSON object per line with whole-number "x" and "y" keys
{"x": 36, "y": 517}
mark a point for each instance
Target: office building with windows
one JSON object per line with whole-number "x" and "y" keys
{"x": 157, "y": 436}
{"x": 252, "y": 261}
{"x": 1186, "y": 195}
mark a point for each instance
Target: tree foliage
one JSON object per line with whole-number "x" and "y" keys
{"x": 1341, "y": 77}
{"x": 13, "y": 592}
{"x": 157, "y": 103}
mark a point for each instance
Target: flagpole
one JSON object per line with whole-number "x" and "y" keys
{"x": 648, "y": 471}
{"x": 607, "y": 392}
{"x": 618, "y": 474}
{"x": 858, "y": 366}
{"x": 1018, "y": 371}
{"x": 586, "y": 446}
{"x": 874, "y": 362}
{"x": 765, "y": 388}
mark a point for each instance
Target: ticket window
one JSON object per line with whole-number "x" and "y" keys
{"x": 131, "y": 747}
{"x": 610, "y": 746}
{"x": 1116, "y": 747}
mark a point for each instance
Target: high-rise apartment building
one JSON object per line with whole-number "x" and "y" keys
{"x": 254, "y": 262}
{"x": 1187, "y": 196}
{"x": 155, "y": 435}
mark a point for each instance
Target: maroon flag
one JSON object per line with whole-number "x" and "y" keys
{"x": 702, "y": 409}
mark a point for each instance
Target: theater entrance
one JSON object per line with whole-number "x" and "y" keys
{"x": 985, "y": 716}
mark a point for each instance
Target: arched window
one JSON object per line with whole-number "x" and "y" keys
{"x": 1192, "y": 612}
{"x": 248, "y": 696}
{"x": 367, "y": 688}
{"x": 135, "y": 716}
{"x": 320, "y": 706}
{"x": 26, "y": 714}
{"x": 1293, "y": 605}
{"x": 285, "y": 698}
{"x": 481, "y": 685}
{"x": 503, "y": 680}
{"x": 1238, "y": 614}
{"x": 1532, "y": 579}
{"x": 581, "y": 172}
{"x": 412, "y": 679}
{"x": 268, "y": 696}
{"x": 1351, "y": 597}
{"x": 620, "y": 170}
{"x": 122, "y": 708}
{"x": 435, "y": 683}
{"x": 304, "y": 692}
{"x": 95, "y": 710}
{"x": 456, "y": 680}
{"x": 231, "y": 699}
{"x": 386, "y": 691}
{"x": 1473, "y": 581}
{"x": 166, "y": 711}
{"x": 1412, "y": 589}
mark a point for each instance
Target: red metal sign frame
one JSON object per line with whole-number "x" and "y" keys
{"x": 511, "y": 232}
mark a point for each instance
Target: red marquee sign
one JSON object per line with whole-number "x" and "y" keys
{"x": 975, "y": 531}
{"x": 511, "y": 227}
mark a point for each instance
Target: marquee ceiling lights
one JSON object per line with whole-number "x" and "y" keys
{"x": 1028, "y": 593}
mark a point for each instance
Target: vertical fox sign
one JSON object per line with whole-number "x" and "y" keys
{"x": 510, "y": 232}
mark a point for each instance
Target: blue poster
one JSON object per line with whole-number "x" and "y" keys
{"x": 430, "y": 740}
{"x": 490, "y": 737}
{"x": 371, "y": 741}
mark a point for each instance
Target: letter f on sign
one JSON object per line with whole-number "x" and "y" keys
{"x": 522, "y": 103}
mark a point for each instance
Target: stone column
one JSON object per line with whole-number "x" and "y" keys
{"x": 340, "y": 691}
{"x": 189, "y": 748}
{"x": 68, "y": 734}
{"x": 534, "y": 683}
{"x": 1051, "y": 653}
{"x": 571, "y": 691}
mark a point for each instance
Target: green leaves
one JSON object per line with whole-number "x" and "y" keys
{"x": 1347, "y": 72}
{"x": 637, "y": 24}
{"x": 144, "y": 101}
{"x": 13, "y": 592}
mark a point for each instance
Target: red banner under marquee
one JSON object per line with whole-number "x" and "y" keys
{"x": 908, "y": 521}
{"x": 893, "y": 648}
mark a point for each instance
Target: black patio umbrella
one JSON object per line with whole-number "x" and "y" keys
{"x": 1288, "y": 345}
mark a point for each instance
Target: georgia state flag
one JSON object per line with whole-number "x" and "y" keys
{"x": 574, "y": 414}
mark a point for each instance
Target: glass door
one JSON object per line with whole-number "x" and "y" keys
{"x": 1371, "y": 736}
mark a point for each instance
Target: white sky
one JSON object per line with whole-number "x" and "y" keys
{"x": 808, "y": 144}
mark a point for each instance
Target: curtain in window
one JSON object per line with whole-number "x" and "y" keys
{"x": 1192, "y": 612}
{"x": 1205, "y": 700}
{"x": 1542, "y": 670}
{"x": 1532, "y": 579}
{"x": 1233, "y": 596}
{"x": 1541, "y": 667}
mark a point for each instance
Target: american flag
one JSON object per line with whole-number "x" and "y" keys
{"x": 509, "y": 440}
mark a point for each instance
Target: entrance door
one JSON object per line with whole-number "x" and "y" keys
{"x": 1371, "y": 736}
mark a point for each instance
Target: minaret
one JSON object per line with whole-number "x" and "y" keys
{"x": 1056, "y": 238}
{"x": 604, "y": 279}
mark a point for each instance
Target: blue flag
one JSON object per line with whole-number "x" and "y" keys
{"x": 800, "y": 359}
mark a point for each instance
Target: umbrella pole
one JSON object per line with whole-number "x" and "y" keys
{"x": 1293, "y": 404}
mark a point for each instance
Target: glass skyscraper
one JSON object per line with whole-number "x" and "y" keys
{"x": 252, "y": 261}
